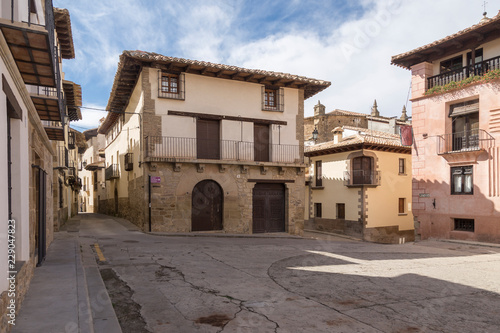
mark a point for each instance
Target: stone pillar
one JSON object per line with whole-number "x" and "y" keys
{"x": 419, "y": 75}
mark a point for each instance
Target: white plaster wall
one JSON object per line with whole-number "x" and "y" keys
{"x": 224, "y": 97}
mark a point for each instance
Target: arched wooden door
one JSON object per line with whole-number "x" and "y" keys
{"x": 206, "y": 207}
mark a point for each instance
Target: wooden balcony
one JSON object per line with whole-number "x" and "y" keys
{"x": 460, "y": 74}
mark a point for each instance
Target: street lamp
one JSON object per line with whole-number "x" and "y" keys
{"x": 315, "y": 134}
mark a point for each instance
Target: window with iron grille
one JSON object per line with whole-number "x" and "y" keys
{"x": 317, "y": 210}
{"x": 129, "y": 162}
{"x": 464, "y": 224}
{"x": 171, "y": 85}
{"x": 272, "y": 99}
{"x": 461, "y": 180}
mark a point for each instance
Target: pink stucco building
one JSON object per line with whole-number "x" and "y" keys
{"x": 456, "y": 124}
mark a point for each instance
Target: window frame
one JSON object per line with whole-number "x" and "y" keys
{"x": 450, "y": 65}
{"x": 318, "y": 210}
{"x": 318, "y": 173}
{"x": 458, "y": 221}
{"x": 278, "y": 98}
{"x": 340, "y": 216}
{"x": 463, "y": 169}
{"x": 402, "y": 206}
{"x": 170, "y": 90}
{"x": 402, "y": 166}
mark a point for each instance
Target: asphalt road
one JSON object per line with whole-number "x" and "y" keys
{"x": 215, "y": 283}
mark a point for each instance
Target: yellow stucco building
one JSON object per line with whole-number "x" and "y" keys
{"x": 360, "y": 185}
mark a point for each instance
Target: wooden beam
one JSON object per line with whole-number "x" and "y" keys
{"x": 224, "y": 117}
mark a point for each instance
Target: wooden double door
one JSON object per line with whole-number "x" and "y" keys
{"x": 268, "y": 208}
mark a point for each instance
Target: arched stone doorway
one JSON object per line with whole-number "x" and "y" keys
{"x": 206, "y": 206}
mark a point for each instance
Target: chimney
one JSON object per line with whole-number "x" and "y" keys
{"x": 375, "y": 112}
{"x": 337, "y": 134}
{"x": 319, "y": 109}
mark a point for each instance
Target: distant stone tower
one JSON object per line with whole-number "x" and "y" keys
{"x": 404, "y": 117}
{"x": 319, "y": 109}
{"x": 375, "y": 112}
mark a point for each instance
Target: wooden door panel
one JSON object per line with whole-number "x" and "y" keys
{"x": 208, "y": 139}
{"x": 206, "y": 207}
{"x": 268, "y": 208}
{"x": 261, "y": 142}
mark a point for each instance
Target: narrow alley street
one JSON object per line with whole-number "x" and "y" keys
{"x": 221, "y": 283}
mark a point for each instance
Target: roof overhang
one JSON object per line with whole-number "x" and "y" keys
{"x": 31, "y": 50}
{"x": 132, "y": 62}
{"x": 73, "y": 94}
{"x": 46, "y": 103}
{"x": 64, "y": 35}
{"x": 469, "y": 38}
{"x": 357, "y": 146}
{"x": 55, "y": 133}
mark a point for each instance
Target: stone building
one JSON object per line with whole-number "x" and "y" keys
{"x": 360, "y": 185}
{"x": 92, "y": 174}
{"x": 324, "y": 123}
{"x": 456, "y": 124}
{"x": 198, "y": 146}
{"x": 35, "y": 104}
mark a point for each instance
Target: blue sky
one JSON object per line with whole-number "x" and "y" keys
{"x": 349, "y": 43}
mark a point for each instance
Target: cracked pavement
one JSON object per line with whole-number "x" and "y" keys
{"x": 280, "y": 284}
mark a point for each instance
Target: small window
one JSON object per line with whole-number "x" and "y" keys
{"x": 317, "y": 210}
{"x": 402, "y": 206}
{"x": 451, "y": 64}
{"x": 461, "y": 180}
{"x": 464, "y": 224}
{"x": 402, "y": 166}
{"x": 272, "y": 99}
{"x": 171, "y": 86}
{"x": 319, "y": 174}
{"x": 341, "y": 211}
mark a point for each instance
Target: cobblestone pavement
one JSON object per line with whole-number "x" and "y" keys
{"x": 217, "y": 283}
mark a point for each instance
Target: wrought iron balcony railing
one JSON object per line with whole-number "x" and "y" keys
{"x": 459, "y": 142}
{"x": 112, "y": 172}
{"x": 361, "y": 178}
{"x": 129, "y": 162}
{"x": 161, "y": 147}
{"x": 71, "y": 140}
{"x": 479, "y": 69}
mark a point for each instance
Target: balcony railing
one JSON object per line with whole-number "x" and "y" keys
{"x": 129, "y": 162}
{"x": 479, "y": 69}
{"x": 361, "y": 178}
{"x": 62, "y": 157}
{"x": 44, "y": 91}
{"x": 472, "y": 140}
{"x": 71, "y": 140}
{"x": 112, "y": 172}
{"x": 160, "y": 147}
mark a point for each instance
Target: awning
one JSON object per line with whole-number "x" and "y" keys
{"x": 464, "y": 108}
{"x": 95, "y": 166}
{"x": 30, "y": 48}
{"x": 55, "y": 133}
{"x": 47, "y": 105}
{"x": 73, "y": 94}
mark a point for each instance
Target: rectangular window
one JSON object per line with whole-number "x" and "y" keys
{"x": 451, "y": 64}
{"x": 402, "y": 166}
{"x": 464, "y": 224}
{"x": 171, "y": 85}
{"x": 402, "y": 206}
{"x": 317, "y": 210}
{"x": 272, "y": 99}
{"x": 341, "y": 211}
{"x": 465, "y": 125}
{"x": 318, "y": 174}
{"x": 461, "y": 180}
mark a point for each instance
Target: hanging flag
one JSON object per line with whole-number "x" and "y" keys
{"x": 406, "y": 135}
